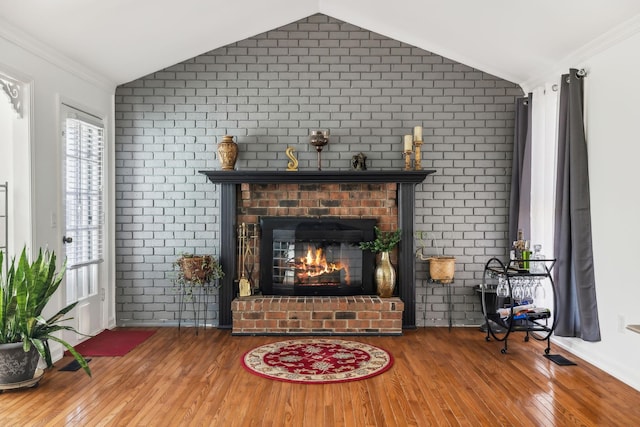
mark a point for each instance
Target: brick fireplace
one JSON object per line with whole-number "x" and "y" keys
{"x": 334, "y": 204}
{"x": 386, "y": 196}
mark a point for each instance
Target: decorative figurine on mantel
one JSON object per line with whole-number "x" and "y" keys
{"x": 227, "y": 153}
{"x": 359, "y": 162}
{"x": 319, "y": 138}
{"x": 292, "y": 165}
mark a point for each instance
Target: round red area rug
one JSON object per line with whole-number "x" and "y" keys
{"x": 317, "y": 361}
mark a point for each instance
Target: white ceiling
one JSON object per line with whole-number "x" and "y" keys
{"x": 122, "y": 40}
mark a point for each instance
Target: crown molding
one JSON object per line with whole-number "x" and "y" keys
{"x": 53, "y": 56}
{"x": 578, "y": 57}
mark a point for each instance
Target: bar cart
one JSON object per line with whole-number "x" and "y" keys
{"x": 518, "y": 283}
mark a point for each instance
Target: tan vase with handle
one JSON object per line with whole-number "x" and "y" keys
{"x": 227, "y": 153}
{"x": 385, "y": 276}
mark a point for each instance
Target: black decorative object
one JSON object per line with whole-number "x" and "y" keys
{"x": 359, "y": 162}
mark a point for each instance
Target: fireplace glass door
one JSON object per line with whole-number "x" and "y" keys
{"x": 315, "y": 256}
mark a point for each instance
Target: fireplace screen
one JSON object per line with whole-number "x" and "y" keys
{"x": 315, "y": 256}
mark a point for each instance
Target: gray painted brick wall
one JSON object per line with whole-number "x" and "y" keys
{"x": 270, "y": 91}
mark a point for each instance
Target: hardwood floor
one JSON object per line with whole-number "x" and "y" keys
{"x": 438, "y": 378}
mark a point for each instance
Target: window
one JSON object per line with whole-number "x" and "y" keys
{"x": 84, "y": 209}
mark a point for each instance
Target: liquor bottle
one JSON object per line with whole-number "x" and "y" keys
{"x": 519, "y": 247}
{"x": 537, "y": 266}
{"x": 521, "y": 251}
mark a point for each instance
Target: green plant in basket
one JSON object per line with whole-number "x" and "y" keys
{"x": 197, "y": 271}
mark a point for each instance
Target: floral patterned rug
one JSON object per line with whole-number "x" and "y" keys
{"x": 317, "y": 361}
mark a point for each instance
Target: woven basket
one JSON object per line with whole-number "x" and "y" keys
{"x": 197, "y": 268}
{"x": 442, "y": 268}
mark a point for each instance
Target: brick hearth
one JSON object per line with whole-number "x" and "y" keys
{"x": 335, "y": 315}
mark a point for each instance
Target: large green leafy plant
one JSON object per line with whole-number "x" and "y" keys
{"x": 25, "y": 290}
{"x": 385, "y": 241}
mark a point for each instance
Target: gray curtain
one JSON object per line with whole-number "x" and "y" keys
{"x": 577, "y": 313}
{"x": 519, "y": 206}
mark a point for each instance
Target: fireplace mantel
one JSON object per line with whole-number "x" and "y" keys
{"x": 229, "y": 180}
{"x": 316, "y": 177}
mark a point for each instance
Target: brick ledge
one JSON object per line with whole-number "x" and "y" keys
{"x": 314, "y": 315}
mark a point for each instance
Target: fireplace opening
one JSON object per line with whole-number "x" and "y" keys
{"x": 310, "y": 256}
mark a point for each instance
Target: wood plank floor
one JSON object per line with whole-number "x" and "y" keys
{"x": 439, "y": 378}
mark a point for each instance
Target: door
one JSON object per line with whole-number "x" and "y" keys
{"x": 83, "y": 216}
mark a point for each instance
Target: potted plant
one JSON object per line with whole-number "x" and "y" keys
{"x": 385, "y": 274}
{"x": 197, "y": 270}
{"x": 25, "y": 290}
{"x": 441, "y": 267}
{"x": 195, "y": 275}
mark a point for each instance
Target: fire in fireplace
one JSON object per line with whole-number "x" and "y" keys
{"x": 309, "y": 256}
{"x": 314, "y": 269}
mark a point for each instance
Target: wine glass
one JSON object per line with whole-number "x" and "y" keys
{"x": 529, "y": 289}
{"x": 518, "y": 289}
{"x": 539, "y": 293}
{"x": 502, "y": 290}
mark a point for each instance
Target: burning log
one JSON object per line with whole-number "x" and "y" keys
{"x": 314, "y": 268}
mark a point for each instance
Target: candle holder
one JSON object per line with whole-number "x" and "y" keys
{"x": 319, "y": 138}
{"x": 418, "y": 144}
{"x": 407, "y": 160}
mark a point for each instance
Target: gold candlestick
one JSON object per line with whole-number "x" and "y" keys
{"x": 407, "y": 160}
{"x": 418, "y": 144}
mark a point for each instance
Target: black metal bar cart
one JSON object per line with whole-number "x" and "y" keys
{"x": 518, "y": 282}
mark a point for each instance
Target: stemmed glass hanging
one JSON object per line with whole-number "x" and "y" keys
{"x": 529, "y": 289}
{"x": 517, "y": 289}
{"x": 539, "y": 293}
{"x": 502, "y": 290}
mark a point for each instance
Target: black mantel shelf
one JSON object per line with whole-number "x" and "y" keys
{"x": 307, "y": 177}
{"x": 230, "y": 180}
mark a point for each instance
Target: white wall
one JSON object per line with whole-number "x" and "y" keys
{"x": 15, "y": 158}
{"x": 6, "y": 134}
{"x": 53, "y": 79}
{"x": 612, "y": 93}
{"x": 6, "y": 167}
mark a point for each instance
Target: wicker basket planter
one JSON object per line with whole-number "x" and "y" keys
{"x": 196, "y": 269}
{"x": 441, "y": 268}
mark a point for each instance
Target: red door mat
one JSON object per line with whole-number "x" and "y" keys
{"x": 113, "y": 343}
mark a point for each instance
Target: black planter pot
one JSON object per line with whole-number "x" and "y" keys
{"x": 16, "y": 365}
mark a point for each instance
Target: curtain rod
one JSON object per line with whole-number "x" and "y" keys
{"x": 579, "y": 74}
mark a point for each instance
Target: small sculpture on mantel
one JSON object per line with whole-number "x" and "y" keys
{"x": 319, "y": 138}
{"x": 359, "y": 162}
{"x": 292, "y": 165}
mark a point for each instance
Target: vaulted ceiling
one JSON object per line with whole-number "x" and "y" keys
{"x": 122, "y": 40}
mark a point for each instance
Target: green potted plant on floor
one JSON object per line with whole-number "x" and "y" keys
{"x": 197, "y": 270}
{"x": 195, "y": 276}
{"x": 25, "y": 290}
{"x": 385, "y": 274}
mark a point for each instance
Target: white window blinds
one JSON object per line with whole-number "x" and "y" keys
{"x": 84, "y": 176}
